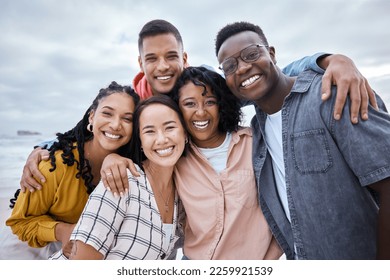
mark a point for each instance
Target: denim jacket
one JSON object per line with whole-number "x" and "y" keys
{"x": 328, "y": 166}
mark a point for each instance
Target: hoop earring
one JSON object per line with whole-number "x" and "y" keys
{"x": 186, "y": 141}
{"x": 89, "y": 127}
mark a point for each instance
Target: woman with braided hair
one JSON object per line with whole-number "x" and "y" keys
{"x": 73, "y": 170}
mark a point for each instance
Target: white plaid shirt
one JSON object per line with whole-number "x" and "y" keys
{"x": 126, "y": 228}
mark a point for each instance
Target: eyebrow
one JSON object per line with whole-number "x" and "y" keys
{"x": 110, "y": 108}
{"x": 168, "y": 53}
{"x": 208, "y": 95}
{"x": 165, "y": 123}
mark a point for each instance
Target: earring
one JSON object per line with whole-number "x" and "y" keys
{"x": 186, "y": 141}
{"x": 89, "y": 127}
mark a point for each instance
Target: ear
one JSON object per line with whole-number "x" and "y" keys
{"x": 271, "y": 51}
{"x": 187, "y": 138}
{"x": 140, "y": 64}
{"x": 91, "y": 114}
{"x": 185, "y": 60}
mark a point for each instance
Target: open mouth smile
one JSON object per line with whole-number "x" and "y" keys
{"x": 111, "y": 136}
{"x": 164, "y": 152}
{"x": 250, "y": 81}
{"x": 201, "y": 124}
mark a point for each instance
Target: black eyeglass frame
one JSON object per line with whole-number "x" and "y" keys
{"x": 245, "y": 59}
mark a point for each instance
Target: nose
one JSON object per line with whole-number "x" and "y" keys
{"x": 162, "y": 65}
{"x": 200, "y": 111}
{"x": 115, "y": 124}
{"x": 242, "y": 66}
{"x": 161, "y": 137}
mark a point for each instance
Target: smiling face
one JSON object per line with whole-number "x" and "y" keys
{"x": 162, "y": 135}
{"x": 201, "y": 114}
{"x": 162, "y": 61}
{"x": 112, "y": 122}
{"x": 254, "y": 80}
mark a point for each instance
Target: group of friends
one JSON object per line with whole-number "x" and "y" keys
{"x": 165, "y": 164}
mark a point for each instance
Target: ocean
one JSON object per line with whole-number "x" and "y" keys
{"x": 14, "y": 151}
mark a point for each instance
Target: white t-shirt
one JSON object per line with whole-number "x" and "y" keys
{"x": 274, "y": 140}
{"x": 218, "y": 156}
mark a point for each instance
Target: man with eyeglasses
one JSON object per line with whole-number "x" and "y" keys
{"x": 320, "y": 181}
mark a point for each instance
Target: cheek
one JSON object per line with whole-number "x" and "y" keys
{"x": 148, "y": 69}
{"x": 230, "y": 82}
{"x": 187, "y": 116}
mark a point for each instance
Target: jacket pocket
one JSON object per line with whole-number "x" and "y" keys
{"x": 310, "y": 151}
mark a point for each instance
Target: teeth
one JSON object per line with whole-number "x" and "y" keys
{"x": 163, "y": 78}
{"x": 201, "y": 125}
{"x": 109, "y": 135}
{"x": 250, "y": 81}
{"x": 164, "y": 151}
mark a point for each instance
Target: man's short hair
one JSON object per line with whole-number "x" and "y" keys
{"x": 158, "y": 27}
{"x": 235, "y": 28}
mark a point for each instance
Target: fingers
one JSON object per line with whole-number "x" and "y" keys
{"x": 326, "y": 86}
{"x": 119, "y": 175}
{"x": 115, "y": 179}
{"x": 67, "y": 248}
{"x": 341, "y": 97}
{"x": 342, "y": 72}
{"x": 364, "y": 102}
{"x": 110, "y": 179}
{"x": 371, "y": 95}
{"x": 37, "y": 174}
{"x": 114, "y": 174}
{"x": 28, "y": 181}
{"x": 132, "y": 168}
{"x": 355, "y": 96}
{"x": 32, "y": 178}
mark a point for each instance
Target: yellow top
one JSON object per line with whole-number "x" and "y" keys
{"x": 62, "y": 198}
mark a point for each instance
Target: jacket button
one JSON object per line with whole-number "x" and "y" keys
{"x": 163, "y": 256}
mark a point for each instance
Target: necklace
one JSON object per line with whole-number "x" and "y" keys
{"x": 166, "y": 202}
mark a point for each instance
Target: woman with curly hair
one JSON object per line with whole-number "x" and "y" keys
{"x": 215, "y": 181}
{"x": 73, "y": 171}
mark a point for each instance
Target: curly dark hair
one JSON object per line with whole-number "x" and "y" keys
{"x": 235, "y": 28}
{"x": 229, "y": 105}
{"x": 79, "y": 135}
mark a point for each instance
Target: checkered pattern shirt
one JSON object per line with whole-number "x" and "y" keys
{"x": 128, "y": 227}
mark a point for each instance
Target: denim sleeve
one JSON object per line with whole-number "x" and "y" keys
{"x": 365, "y": 146}
{"x": 307, "y": 62}
{"x": 46, "y": 144}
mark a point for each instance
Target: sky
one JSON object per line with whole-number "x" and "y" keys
{"x": 56, "y": 55}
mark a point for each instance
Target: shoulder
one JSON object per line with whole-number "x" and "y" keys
{"x": 244, "y": 131}
{"x": 61, "y": 167}
{"x": 306, "y": 80}
{"x": 242, "y": 134}
{"x": 136, "y": 182}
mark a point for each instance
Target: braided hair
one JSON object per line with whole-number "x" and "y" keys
{"x": 79, "y": 135}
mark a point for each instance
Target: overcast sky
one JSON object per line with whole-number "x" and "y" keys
{"x": 56, "y": 55}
